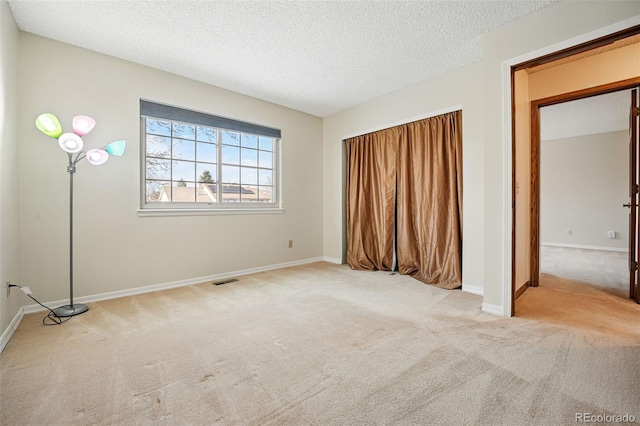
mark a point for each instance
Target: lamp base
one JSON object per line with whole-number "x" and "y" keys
{"x": 71, "y": 310}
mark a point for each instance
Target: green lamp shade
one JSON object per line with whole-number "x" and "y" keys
{"x": 116, "y": 148}
{"x": 49, "y": 124}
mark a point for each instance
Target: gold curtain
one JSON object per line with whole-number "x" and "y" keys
{"x": 371, "y": 199}
{"x": 429, "y": 200}
{"x": 408, "y": 180}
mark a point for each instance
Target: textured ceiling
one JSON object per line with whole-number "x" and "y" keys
{"x": 318, "y": 57}
{"x": 598, "y": 114}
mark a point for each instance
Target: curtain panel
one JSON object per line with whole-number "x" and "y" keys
{"x": 404, "y": 195}
{"x": 371, "y": 199}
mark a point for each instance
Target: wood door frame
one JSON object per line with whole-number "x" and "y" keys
{"x": 633, "y": 191}
{"x": 512, "y": 68}
{"x": 634, "y": 140}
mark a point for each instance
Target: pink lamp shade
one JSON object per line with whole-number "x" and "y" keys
{"x": 70, "y": 142}
{"x": 83, "y": 124}
{"x": 97, "y": 156}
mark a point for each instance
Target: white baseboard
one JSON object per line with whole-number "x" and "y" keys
{"x": 332, "y": 260}
{"x": 493, "y": 309}
{"x": 473, "y": 289}
{"x": 173, "y": 284}
{"x": 11, "y": 329}
{"x": 581, "y": 246}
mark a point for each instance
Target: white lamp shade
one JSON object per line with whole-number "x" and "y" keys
{"x": 97, "y": 156}
{"x": 70, "y": 142}
{"x": 83, "y": 124}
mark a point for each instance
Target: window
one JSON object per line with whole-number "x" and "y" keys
{"x": 198, "y": 161}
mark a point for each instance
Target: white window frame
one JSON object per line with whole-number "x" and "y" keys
{"x": 154, "y": 110}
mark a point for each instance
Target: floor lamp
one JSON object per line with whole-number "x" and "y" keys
{"x": 72, "y": 144}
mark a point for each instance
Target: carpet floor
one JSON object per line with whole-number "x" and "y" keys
{"x": 318, "y": 344}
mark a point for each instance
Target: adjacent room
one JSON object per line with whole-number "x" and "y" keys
{"x": 309, "y": 212}
{"x": 584, "y": 168}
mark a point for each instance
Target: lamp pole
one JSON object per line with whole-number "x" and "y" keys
{"x": 71, "y": 309}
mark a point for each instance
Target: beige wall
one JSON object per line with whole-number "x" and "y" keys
{"x": 116, "y": 249}
{"x": 523, "y": 179}
{"x": 547, "y": 27}
{"x": 459, "y": 88}
{"x": 584, "y": 182}
{"x": 9, "y": 217}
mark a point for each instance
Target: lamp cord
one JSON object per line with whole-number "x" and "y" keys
{"x": 51, "y": 316}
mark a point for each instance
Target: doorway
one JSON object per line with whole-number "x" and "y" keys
{"x": 630, "y": 88}
{"x": 584, "y": 160}
{"x": 525, "y": 185}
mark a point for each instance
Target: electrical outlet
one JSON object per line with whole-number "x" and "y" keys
{"x": 8, "y": 284}
{"x": 290, "y": 243}
{"x": 569, "y": 232}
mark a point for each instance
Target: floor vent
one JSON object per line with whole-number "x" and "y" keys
{"x": 231, "y": 280}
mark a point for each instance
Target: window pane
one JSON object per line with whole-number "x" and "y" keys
{"x": 231, "y": 192}
{"x": 206, "y": 172}
{"x": 266, "y": 143}
{"x": 158, "y": 169}
{"x": 266, "y": 159}
{"x": 207, "y": 134}
{"x": 183, "y": 192}
{"x": 230, "y": 174}
{"x": 187, "y": 162}
{"x": 266, "y": 177}
{"x": 249, "y": 194}
{"x": 206, "y": 193}
{"x": 230, "y": 138}
{"x": 186, "y": 131}
{"x": 158, "y": 146}
{"x": 249, "y": 141}
{"x": 248, "y": 176}
{"x": 206, "y": 152}
{"x": 230, "y": 155}
{"x": 154, "y": 190}
{"x": 158, "y": 127}
{"x": 184, "y": 170}
{"x": 249, "y": 157}
{"x": 184, "y": 150}
{"x": 266, "y": 194}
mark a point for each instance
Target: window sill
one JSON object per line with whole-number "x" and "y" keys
{"x": 205, "y": 212}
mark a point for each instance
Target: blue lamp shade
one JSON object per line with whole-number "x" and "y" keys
{"x": 49, "y": 124}
{"x": 116, "y": 148}
{"x": 97, "y": 156}
{"x": 70, "y": 142}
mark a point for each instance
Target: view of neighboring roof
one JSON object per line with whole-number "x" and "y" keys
{"x": 185, "y": 194}
{"x": 206, "y": 193}
{"x": 231, "y": 188}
